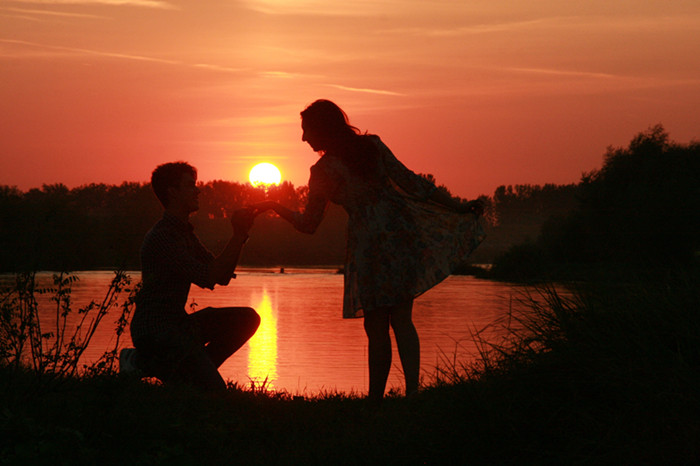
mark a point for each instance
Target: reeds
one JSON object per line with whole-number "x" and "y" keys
{"x": 52, "y": 347}
{"x": 601, "y": 372}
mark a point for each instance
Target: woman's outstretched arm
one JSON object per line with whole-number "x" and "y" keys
{"x": 306, "y": 221}
{"x": 279, "y": 209}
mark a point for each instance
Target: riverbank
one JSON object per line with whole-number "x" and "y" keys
{"x": 609, "y": 376}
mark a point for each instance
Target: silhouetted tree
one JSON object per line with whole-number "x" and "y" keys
{"x": 641, "y": 209}
{"x": 643, "y": 205}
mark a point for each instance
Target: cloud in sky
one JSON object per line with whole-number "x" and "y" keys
{"x": 632, "y": 24}
{"x": 38, "y": 15}
{"x": 136, "y": 3}
{"x": 329, "y": 8}
{"x": 368, "y": 91}
{"x": 81, "y": 51}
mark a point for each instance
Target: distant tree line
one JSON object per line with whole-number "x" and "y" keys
{"x": 641, "y": 210}
{"x": 56, "y": 228}
{"x": 516, "y": 213}
{"x": 100, "y": 226}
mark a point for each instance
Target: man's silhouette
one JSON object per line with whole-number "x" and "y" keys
{"x": 172, "y": 345}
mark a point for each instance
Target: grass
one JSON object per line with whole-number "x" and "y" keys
{"x": 610, "y": 375}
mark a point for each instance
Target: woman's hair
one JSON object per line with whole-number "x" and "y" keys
{"x": 328, "y": 118}
{"x": 169, "y": 175}
{"x": 357, "y": 152}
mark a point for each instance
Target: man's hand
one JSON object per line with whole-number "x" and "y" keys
{"x": 222, "y": 267}
{"x": 242, "y": 220}
{"x": 262, "y": 207}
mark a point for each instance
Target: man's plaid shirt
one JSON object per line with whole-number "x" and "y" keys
{"x": 172, "y": 258}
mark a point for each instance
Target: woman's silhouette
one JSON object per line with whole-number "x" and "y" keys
{"x": 404, "y": 235}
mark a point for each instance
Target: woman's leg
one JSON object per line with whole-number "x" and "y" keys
{"x": 408, "y": 343}
{"x": 377, "y": 329}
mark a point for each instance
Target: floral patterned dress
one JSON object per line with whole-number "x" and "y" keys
{"x": 399, "y": 244}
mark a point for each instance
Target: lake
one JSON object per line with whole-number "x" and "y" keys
{"x": 303, "y": 345}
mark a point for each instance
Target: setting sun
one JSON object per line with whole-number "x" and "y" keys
{"x": 264, "y": 174}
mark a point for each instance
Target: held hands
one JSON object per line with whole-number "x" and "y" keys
{"x": 242, "y": 220}
{"x": 264, "y": 206}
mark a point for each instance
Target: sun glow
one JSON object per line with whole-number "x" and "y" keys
{"x": 262, "y": 358}
{"x": 264, "y": 174}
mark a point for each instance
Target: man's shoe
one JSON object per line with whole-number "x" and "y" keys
{"x": 127, "y": 363}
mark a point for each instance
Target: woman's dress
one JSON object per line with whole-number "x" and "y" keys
{"x": 399, "y": 244}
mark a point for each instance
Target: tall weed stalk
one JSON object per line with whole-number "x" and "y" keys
{"x": 630, "y": 329}
{"x": 52, "y": 347}
{"x": 627, "y": 329}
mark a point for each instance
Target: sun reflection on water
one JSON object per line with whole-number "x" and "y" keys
{"x": 262, "y": 357}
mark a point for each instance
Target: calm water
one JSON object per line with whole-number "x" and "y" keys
{"x": 303, "y": 345}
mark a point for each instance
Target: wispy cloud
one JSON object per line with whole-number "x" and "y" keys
{"x": 311, "y": 7}
{"x": 632, "y": 23}
{"x": 224, "y": 69}
{"x": 253, "y": 121}
{"x": 365, "y": 90}
{"x": 91, "y": 52}
{"x": 475, "y": 29}
{"x": 122, "y": 56}
{"x": 623, "y": 80}
{"x": 137, "y": 3}
{"x": 524, "y": 81}
{"x": 558, "y": 72}
{"x": 126, "y": 56}
{"x": 280, "y": 74}
{"x": 38, "y": 14}
{"x": 348, "y": 8}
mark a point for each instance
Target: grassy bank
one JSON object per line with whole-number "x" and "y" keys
{"x": 609, "y": 376}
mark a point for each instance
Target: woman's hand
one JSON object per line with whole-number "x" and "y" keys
{"x": 264, "y": 206}
{"x": 287, "y": 214}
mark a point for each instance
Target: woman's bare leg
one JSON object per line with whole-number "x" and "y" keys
{"x": 408, "y": 343}
{"x": 379, "y": 351}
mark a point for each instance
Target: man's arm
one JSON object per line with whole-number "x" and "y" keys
{"x": 222, "y": 267}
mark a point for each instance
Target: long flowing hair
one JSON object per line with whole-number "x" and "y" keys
{"x": 355, "y": 149}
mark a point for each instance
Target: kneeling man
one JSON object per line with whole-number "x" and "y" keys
{"x": 172, "y": 345}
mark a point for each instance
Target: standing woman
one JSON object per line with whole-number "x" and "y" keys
{"x": 404, "y": 235}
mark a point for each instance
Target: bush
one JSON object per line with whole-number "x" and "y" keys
{"x": 52, "y": 347}
{"x": 641, "y": 209}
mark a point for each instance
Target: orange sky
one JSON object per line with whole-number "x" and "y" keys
{"x": 479, "y": 93}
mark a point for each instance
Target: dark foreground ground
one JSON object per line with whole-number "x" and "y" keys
{"x": 611, "y": 376}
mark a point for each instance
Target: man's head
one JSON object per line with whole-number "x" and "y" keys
{"x": 176, "y": 182}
